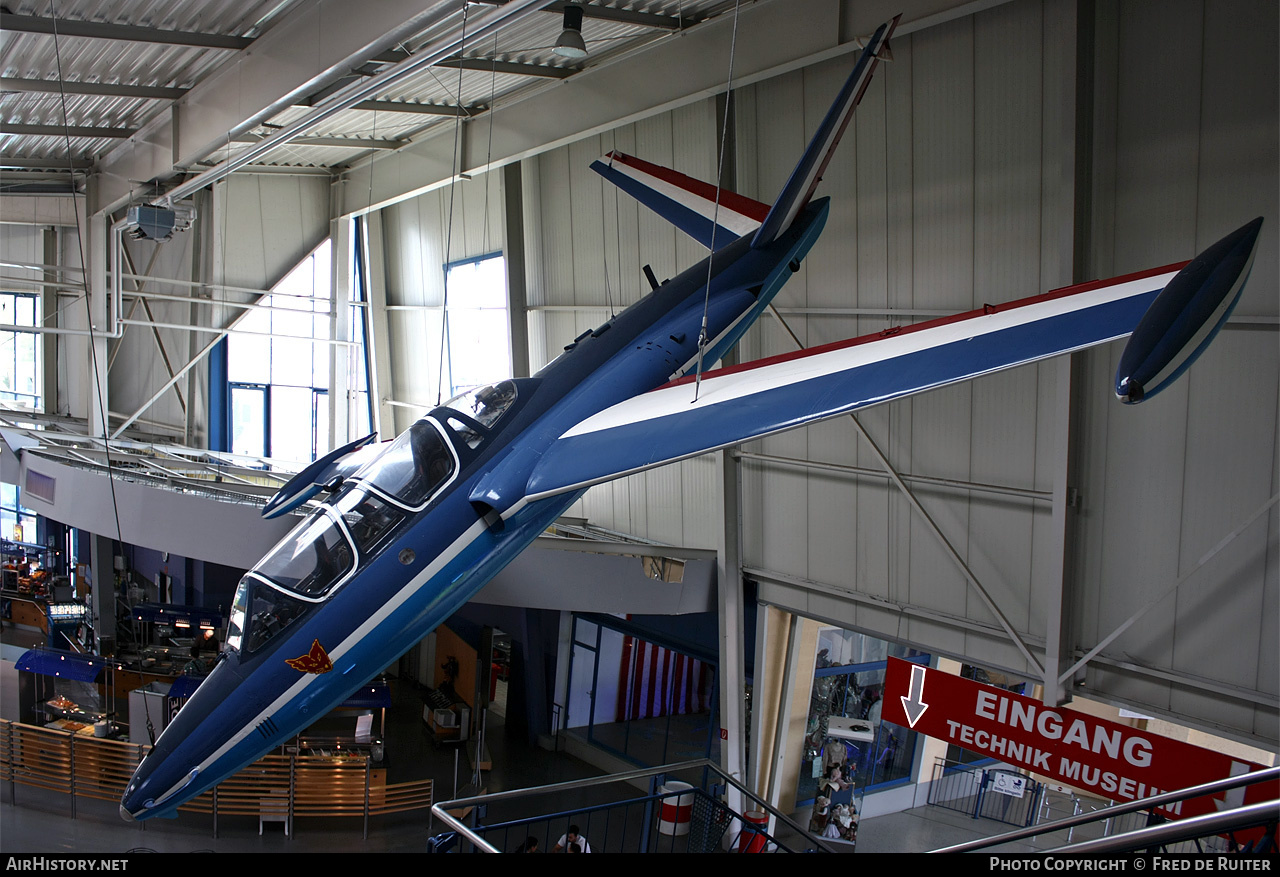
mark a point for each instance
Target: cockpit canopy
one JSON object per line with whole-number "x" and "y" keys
{"x": 367, "y": 513}
{"x": 485, "y": 405}
{"x": 412, "y": 467}
{"x": 480, "y": 408}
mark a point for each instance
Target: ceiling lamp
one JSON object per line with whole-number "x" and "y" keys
{"x": 570, "y": 44}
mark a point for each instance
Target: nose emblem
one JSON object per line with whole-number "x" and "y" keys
{"x": 314, "y": 661}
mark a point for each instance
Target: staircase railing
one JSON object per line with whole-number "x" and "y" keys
{"x": 660, "y": 804}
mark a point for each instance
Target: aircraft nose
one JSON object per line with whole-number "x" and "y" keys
{"x": 167, "y": 775}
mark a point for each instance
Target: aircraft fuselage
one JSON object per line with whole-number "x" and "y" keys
{"x": 388, "y": 567}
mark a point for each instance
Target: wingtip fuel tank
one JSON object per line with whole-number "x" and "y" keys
{"x": 1186, "y": 316}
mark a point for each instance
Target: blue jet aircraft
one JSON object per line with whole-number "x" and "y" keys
{"x": 404, "y": 535}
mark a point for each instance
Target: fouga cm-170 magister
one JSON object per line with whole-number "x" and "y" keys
{"x": 405, "y": 534}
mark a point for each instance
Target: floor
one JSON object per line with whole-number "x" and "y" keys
{"x": 34, "y": 821}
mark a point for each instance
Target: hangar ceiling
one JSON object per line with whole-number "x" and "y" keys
{"x": 83, "y": 81}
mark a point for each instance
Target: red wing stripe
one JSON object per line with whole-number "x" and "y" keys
{"x": 729, "y": 200}
{"x": 1052, "y": 294}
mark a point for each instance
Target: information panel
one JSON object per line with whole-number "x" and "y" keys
{"x": 1104, "y": 758}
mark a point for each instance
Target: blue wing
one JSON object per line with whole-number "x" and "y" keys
{"x": 741, "y": 403}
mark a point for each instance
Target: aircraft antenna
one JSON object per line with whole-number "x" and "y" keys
{"x": 98, "y": 377}
{"x": 715, "y": 213}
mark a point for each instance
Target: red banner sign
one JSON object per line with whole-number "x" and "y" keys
{"x": 1107, "y": 759}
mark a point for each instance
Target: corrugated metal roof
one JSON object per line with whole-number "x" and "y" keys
{"x": 76, "y": 60}
{"x": 80, "y": 60}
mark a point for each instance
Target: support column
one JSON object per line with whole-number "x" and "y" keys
{"x": 1058, "y": 609}
{"x": 517, "y": 298}
{"x": 207, "y": 403}
{"x": 730, "y": 615}
{"x": 103, "y": 598}
{"x": 341, "y": 358}
{"x": 95, "y": 234}
{"x": 564, "y": 655}
{"x": 1072, "y": 245}
{"x": 381, "y": 386}
{"x": 49, "y": 317}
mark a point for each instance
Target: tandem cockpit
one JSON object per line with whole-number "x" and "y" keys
{"x": 362, "y": 514}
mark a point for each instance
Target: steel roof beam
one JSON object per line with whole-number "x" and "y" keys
{"x": 622, "y": 16}
{"x": 442, "y": 48}
{"x": 286, "y": 64}
{"x": 340, "y": 142}
{"x": 53, "y": 86}
{"x": 66, "y": 27}
{"x": 60, "y": 164}
{"x": 487, "y": 66}
{"x": 399, "y": 106}
{"x": 628, "y": 16}
{"x": 71, "y": 131}
{"x": 771, "y": 39}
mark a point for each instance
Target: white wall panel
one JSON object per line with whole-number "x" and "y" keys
{"x": 421, "y": 236}
{"x": 592, "y": 244}
{"x": 138, "y": 365}
{"x": 939, "y": 202}
{"x": 969, "y": 200}
{"x": 1186, "y": 155}
{"x": 258, "y": 230}
{"x": 264, "y": 224}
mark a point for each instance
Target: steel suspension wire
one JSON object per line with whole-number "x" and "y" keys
{"x": 715, "y": 213}
{"x": 488, "y": 158}
{"x": 98, "y": 377}
{"x": 448, "y": 245}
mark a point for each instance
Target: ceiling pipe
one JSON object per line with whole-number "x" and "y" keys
{"x": 428, "y": 55}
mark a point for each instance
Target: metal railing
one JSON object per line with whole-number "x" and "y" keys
{"x": 671, "y": 817}
{"x": 991, "y": 792}
{"x": 1189, "y": 829}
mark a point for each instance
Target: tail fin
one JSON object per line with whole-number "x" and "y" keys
{"x": 686, "y": 203}
{"x": 807, "y": 174}
{"x": 691, "y": 205}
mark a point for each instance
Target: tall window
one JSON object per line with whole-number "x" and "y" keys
{"x": 20, "y": 351}
{"x": 12, "y": 513}
{"x": 478, "y": 335}
{"x": 280, "y": 384}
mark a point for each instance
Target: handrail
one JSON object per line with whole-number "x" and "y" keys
{"x": 1182, "y": 829}
{"x": 440, "y": 809}
{"x": 1247, "y": 779}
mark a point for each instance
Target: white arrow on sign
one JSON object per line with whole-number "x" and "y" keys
{"x": 1233, "y": 798}
{"x": 913, "y": 703}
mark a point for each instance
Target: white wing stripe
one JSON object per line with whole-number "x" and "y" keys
{"x": 716, "y": 389}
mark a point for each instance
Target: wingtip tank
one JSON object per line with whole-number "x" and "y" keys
{"x": 1186, "y": 316}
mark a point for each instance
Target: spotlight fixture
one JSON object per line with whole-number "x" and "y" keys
{"x": 570, "y": 44}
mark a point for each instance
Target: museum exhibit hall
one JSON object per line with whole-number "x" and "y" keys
{"x": 641, "y": 426}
